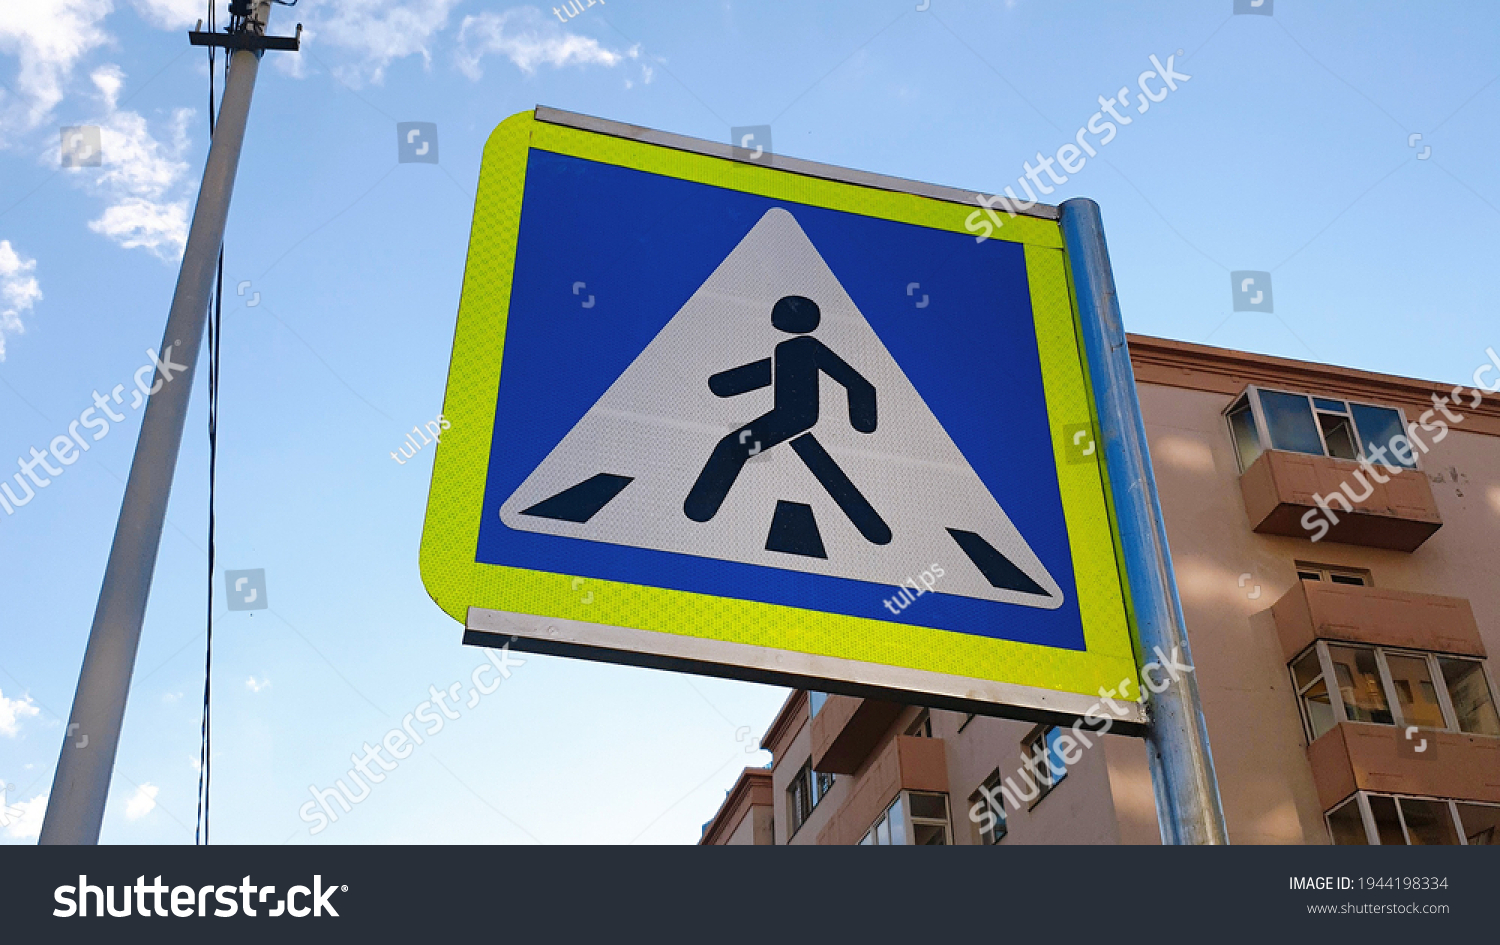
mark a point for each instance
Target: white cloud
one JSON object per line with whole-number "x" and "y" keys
{"x": 143, "y": 180}
{"x": 27, "y": 825}
{"x": 378, "y": 33}
{"x": 256, "y": 686}
{"x": 171, "y": 14}
{"x": 19, "y": 291}
{"x": 108, "y": 79}
{"x": 48, "y": 37}
{"x": 528, "y": 38}
{"x": 142, "y": 802}
{"x": 12, "y": 711}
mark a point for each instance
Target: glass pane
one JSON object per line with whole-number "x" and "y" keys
{"x": 1359, "y": 685}
{"x": 1307, "y": 669}
{"x": 1428, "y": 823}
{"x": 930, "y": 835}
{"x": 815, "y": 702}
{"x": 1309, "y": 576}
{"x": 1246, "y": 439}
{"x": 1387, "y": 826}
{"x": 1346, "y": 828}
{"x": 1055, "y": 764}
{"x": 1319, "y": 709}
{"x": 1415, "y": 692}
{"x": 1323, "y": 403}
{"x": 929, "y": 806}
{"x": 868, "y": 840}
{"x": 1481, "y": 824}
{"x": 1377, "y": 425}
{"x": 1338, "y": 434}
{"x": 883, "y": 832}
{"x": 1355, "y": 579}
{"x": 896, "y": 816}
{"x": 1290, "y": 421}
{"x": 1471, "y": 697}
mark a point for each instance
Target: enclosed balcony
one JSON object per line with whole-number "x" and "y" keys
{"x": 1331, "y": 470}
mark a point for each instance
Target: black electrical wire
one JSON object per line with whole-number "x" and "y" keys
{"x": 215, "y": 335}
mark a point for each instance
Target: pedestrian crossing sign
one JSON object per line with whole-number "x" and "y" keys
{"x": 789, "y": 423}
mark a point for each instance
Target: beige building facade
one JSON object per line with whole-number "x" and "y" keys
{"x": 1345, "y": 680}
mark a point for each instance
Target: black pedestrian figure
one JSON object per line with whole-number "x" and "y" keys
{"x": 793, "y": 371}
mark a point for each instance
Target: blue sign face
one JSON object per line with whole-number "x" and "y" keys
{"x": 632, "y": 289}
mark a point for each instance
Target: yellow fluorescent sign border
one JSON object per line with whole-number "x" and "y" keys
{"x": 456, "y": 501}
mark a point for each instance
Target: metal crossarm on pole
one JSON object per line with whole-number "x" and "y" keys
{"x": 1182, "y": 769}
{"x": 80, "y": 786}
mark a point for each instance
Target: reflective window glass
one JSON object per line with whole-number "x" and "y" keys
{"x": 1428, "y": 823}
{"x": 896, "y": 816}
{"x": 1246, "y": 438}
{"x": 1338, "y": 435}
{"x": 1290, "y": 420}
{"x": 1415, "y": 692}
{"x": 928, "y": 806}
{"x": 1377, "y": 426}
{"x": 1387, "y": 824}
{"x": 1481, "y": 824}
{"x": 1307, "y": 669}
{"x": 1470, "y": 694}
{"x": 1319, "y": 710}
{"x": 1057, "y": 768}
{"x": 815, "y": 702}
{"x": 1346, "y": 827}
{"x": 1359, "y": 685}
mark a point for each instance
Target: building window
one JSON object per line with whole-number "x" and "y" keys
{"x": 807, "y": 789}
{"x": 921, "y": 727}
{"x": 1382, "y": 686}
{"x": 1263, "y": 419}
{"x": 1469, "y": 692}
{"x": 1390, "y": 820}
{"x": 889, "y": 828}
{"x": 1307, "y": 571}
{"x": 1357, "y": 675}
{"x": 917, "y": 818}
{"x": 996, "y": 827}
{"x": 1312, "y": 693}
{"x": 815, "y": 702}
{"x": 1042, "y": 744}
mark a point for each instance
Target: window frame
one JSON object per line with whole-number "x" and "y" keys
{"x": 1367, "y": 816}
{"x": 1251, "y": 395}
{"x": 814, "y": 787}
{"x": 1335, "y": 705}
{"x": 997, "y": 834}
{"x": 1028, "y": 749}
{"x": 908, "y": 823}
{"x": 1387, "y": 685}
{"x": 1326, "y": 573}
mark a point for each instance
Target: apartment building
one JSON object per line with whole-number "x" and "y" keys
{"x": 1346, "y": 682}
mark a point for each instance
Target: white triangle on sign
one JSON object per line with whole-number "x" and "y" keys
{"x": 640, "y": 449}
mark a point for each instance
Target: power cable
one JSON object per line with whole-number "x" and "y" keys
{"x": 215, "y": 336}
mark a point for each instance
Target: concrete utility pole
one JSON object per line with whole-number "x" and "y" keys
{"x": 80, "y": 787}
{"x": 1188, "y": 808}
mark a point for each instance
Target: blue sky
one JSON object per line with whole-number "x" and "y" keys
{"x": 1286, "y": 151}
